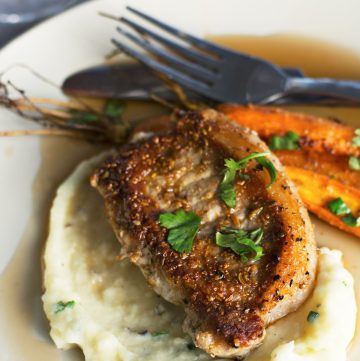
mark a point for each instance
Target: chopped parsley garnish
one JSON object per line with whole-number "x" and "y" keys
{"x": 183, "y": 227}
{"x": 243, "y": 243}
{"x": 356, "y": 139}
{"x": 354, "y": 163}
{"x": 351, "y": 220}
{"x": 61, "y": 306}
{"x": 81, "y": 116}
{"x": 114, "y": 108}
{"x": 227, "y": 189}
{"x": 227, "y": 186}
{"x": 159, "y": 333}
{"x": 289, "y": 141}
{"x": 267, "y": 164}
{"x": 340, "y": 208}
{"x": 312, "y": 316}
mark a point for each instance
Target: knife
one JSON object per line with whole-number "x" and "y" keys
{"x": 133, "y": 81}
{"x": 127, "y": 81}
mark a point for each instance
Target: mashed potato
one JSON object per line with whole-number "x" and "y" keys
{"x": 328, "y": 335}
{"x": 105, "y": 306}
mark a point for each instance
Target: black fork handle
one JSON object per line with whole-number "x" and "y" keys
{"x": 342, "y": 89}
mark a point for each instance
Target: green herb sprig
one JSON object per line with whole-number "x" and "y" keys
{"x": 114, "y": 108}
{"x": 244, "y": 243}
{"x": 269, "y": 166}
{"x": 183, "y": 227}
{"x": 289, "y": 141}
{"x": 351, "y": 220}
{"x": 338, "y": 207}
{"x": 312, "y": 316}
{"x": 354, "y": 163}
{"x": 82, "y": 116}
{"x": 341, "y": 209}
{"x": 356, "y": 139}
{"x": 112, "y": 111}
{"x": 61, "y": 306}
{"x": 227, "y": 187}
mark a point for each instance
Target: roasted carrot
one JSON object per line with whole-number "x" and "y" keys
{"x": 317, "y": 190}
{"x": 319, "y": 134}
{"x": 333, "y": 166}
{"x": 320, "y": 168}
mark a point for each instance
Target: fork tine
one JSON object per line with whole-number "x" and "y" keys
{"x": 190, "y": 68}
{"x": 161, "y": 68}
{"x": 200, "y": 43}
{"x": 186, "y": 52}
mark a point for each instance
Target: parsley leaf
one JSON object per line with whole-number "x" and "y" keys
{"x": 351, "y": 221}
{"x": 183, "y": 227}
{"x": 354, "y": 163}
{"x": 114, "y": 108}
{"x": 254, "y": 155}
{"x": 243, "y": 243}
{"x": 289, "y": 141}
{"x": 80, "y": 116}
{"x": 269, "y": 166}
{"x": 227, "y": 187}
{"x": 312, "y": 316}
{"x": 61, "y": 306}
{"x": 356, "y": 139}
{"x": 340, "y": 208}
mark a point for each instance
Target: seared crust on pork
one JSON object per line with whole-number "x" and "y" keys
{"x": 228, "y": 302}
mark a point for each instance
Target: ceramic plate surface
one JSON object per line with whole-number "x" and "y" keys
{"x": 32, "y": 168}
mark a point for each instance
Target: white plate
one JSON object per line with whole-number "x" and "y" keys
{"x": 80, "y": 38}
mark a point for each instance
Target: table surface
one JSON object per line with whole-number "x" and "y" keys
{"x": 10, "y": 31}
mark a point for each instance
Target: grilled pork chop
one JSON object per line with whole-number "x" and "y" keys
{"x": 228, "y": 301}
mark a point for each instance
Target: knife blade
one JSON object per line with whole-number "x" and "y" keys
{"x": 133, "y": 81}
{"x": 127, "y": 81}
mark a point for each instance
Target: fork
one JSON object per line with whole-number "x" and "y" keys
{"x": 222, "y": 74}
